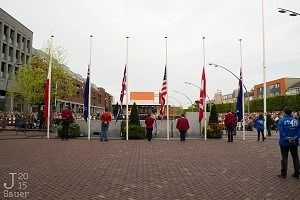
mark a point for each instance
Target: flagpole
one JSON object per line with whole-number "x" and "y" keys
{"x": 243, "y": 97}
{"x": 168, "y": 125}
{"x": 89, "y": 101}
{"x": 205, "y": 120}
{"x": 264, "y": 71}
{"x": 49, "y": 89}
{"x": 127, "y": 93}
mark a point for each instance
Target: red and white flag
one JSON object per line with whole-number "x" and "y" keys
{"x": 202, "y": 96}
{"x": 46, "y": 95}
{"x": 163, "y": 93}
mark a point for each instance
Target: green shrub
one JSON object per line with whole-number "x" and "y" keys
{"x": 134, "y": 131}
{"x": 214, "y": 131}
{"x": 74, "y": 130}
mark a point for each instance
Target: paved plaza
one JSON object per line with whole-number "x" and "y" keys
{"x": 138, "y": 169}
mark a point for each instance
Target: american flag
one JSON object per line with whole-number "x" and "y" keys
{"x": 122, "y": 93}
{"x": 202, "y": 96}
{"x": 163, "y": 93}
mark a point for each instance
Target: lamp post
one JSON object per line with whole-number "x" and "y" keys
{"x": 186, "y": 97}
{"x": 189, "y": 83}
{"x": 290, "y": 12}
{"x": 180, "y": 104}
{"x": 248, "y": 97}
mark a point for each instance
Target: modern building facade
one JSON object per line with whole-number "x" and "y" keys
{"x": 16, "y": 49}
{"x": 276, "y": 87}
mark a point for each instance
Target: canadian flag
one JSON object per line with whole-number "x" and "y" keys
{"x": 202, "y": 96}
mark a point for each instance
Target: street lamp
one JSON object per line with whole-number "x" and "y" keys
{"x": 180, "y": 104}
{"x": 210, "y": 102}
{"x": 291, "y": 13}
{"x": 215, "y": 65}
{"x": 186, "y": 97}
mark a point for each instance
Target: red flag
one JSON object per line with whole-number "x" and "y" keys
{"x": 202, "y": 96}
{"x": 163, "y": 93}
{"x": 47, "y": 94}
{"x": 46, "y": 99}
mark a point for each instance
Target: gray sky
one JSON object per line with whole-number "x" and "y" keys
{"x": 185, "y": 22}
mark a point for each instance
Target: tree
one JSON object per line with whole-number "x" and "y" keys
{"x": 30, "y": 78}
{"x": 213, "y": 117}
{"x": 134, "y": 118}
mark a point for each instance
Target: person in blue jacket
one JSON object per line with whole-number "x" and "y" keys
{"x": 289, "y": 131}
{"x": 259, "y": 125}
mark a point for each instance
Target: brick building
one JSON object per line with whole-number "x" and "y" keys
{"x": 275, "y": 87}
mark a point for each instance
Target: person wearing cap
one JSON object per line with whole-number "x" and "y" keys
{"x": 289, "y": 133}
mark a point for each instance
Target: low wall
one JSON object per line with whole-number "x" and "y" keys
{"x": 159, "y": 130}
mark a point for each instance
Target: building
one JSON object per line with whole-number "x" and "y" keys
{"x": 294, "y": 89}
{"x": 282, "y": 86}
{"x": 16, "y": 49}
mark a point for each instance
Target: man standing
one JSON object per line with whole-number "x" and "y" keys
{"x": 105, "y": 119}
{"x": 67, "y": 118}
{"x": 182, "y": 125}
{"x": 289, "y": 131}
{"x": 229, "y": 124}
{"x": 149, "y": 121}
{"x": 260, "y": 126}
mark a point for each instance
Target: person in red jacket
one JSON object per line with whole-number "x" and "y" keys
{"x": 67, "y": 118}
{"x": 182, "y": 125}
{"x": 149, "y": 121}
{"x": 230, "y": 122}
{"x": 105, "y": 119}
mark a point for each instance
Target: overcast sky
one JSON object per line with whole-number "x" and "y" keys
{"x": 185, "y": 22}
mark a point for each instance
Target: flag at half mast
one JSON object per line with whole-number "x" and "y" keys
{"x": 123, "y": 91}
{"x": 86, "y": 106}
{"x": 163, "y": 93}
{"x": 202, "y": 96}
{"x": 239, "y": 102}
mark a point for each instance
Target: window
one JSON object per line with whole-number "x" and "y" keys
{"x": 12, "y": 35}
{"x": 18, "y": 40}
{"x": 2, "y": 70}
{"x": 5, "y": 32}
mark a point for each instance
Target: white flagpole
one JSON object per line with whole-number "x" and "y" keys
{"x": 264, "y": 71}
{"x": 127, "y": 92}
{"x": 49, "y": 89}
{"x": 89, "y": 101}
{"x": 243, "y": 97}
{"x": 205, "y": 120}
{"x": 168, "y": 123}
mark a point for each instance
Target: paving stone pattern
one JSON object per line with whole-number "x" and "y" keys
{"x": 138, "y": 169}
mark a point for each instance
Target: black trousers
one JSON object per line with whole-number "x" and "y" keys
{"x": 65, "y": 131}
{"x": 284, "y": 162}
{"x": 269, "y": 131}
{"x": 149, "y": 133}
{"x": 262, "y": 134}
{"x": 182, "y": 135}
{"x": 230, "y": 132}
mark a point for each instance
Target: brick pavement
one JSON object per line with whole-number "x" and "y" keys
{"x": 138, "y": 169}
